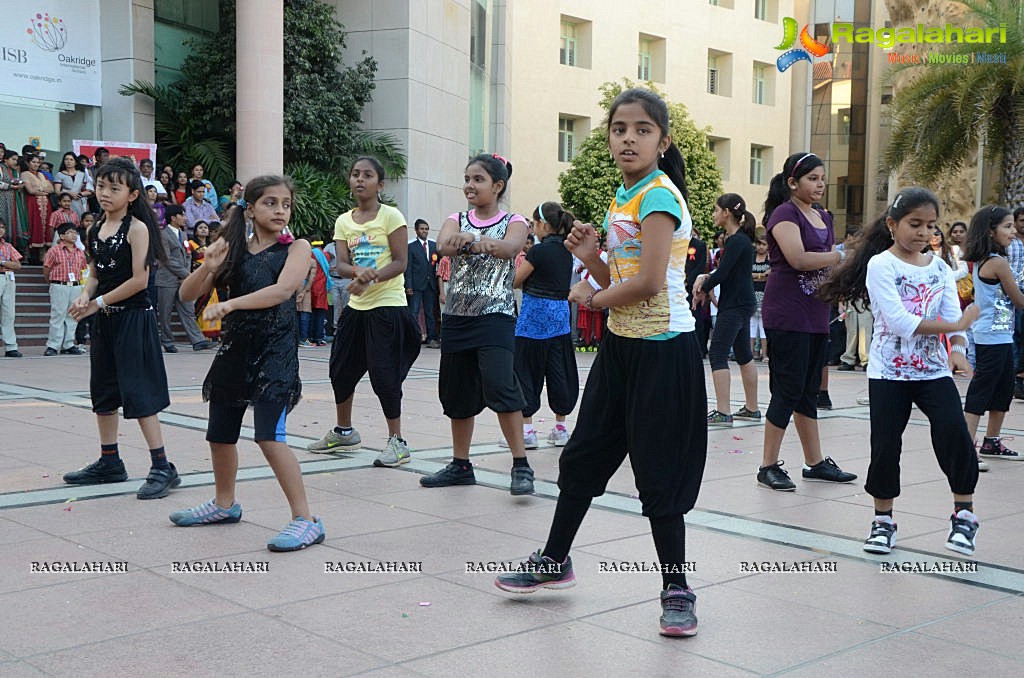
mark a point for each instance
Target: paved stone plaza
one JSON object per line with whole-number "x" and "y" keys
{"x": 845, "y": 617}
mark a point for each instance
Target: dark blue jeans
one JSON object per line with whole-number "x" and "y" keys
{"x": 428, "y": 300}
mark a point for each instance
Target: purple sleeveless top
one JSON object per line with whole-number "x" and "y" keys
{"x": 789, "y": 301}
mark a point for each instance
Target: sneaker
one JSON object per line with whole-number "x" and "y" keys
{"x": 827, "y": 471}
{"x": 49, "y": 352}
{"x": 394, "y": 454}
{"x": 306, "y": 343}
{"x": 559, "y": 436}
{"x": 159, "y": 483}
{"x": 678, "y": 606}
{"x": 774, "y": 477}
{"x": 13, "y": 354}
{"x": 882, "y": 538}
{"x": 823, "y": 401}
{"x": 522, "y": 480}
{"x": 297, "y": 535}
{"x": 846, "y": 367}
{"x": 207, "y": 514}
{"x": 74, "y": 350}
{"x": 538, "y": 572}
{"x": 716, "y": 418}
{"x": 98, "y": 472}
{"x": 204, "y": 345}
{"x": 963, "y": 532}
{"x": 321, "y": 342}
{"x": 334, "y": 440}
{"x": 170, "y": 348}
{"x": 993, "y": 448}
{"x": 529, "y": 440}
{"x": 744, "y": 413}
{"x": 452, "y": 474}
{"x": 982, "y": 465}
{"x": 433, "y": 343}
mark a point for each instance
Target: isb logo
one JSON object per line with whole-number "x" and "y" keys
{"x": 808, "y": 45}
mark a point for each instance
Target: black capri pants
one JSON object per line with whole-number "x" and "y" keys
{"x": 991, "y": 388}
{"x": 795, "y": 360}
{"x": 732, "y": 330}
{"x": 939, "y": 400}
{"x": 551, "y": 361}
{"x": 383, "y": 341}
{"x": 126, "y": 364}
{"x": 225, "y": 422}
{"x": 470, "y": 380}
{"x": 646, "y": 399}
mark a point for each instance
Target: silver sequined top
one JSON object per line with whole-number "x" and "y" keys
{"x": 481, "y": 284}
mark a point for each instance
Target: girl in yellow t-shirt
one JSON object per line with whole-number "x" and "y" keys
{"x": 376, "y": 333}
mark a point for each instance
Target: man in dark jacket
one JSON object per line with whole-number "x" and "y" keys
{"x": 421, "y": 280}
{"x": 168, "y": 279}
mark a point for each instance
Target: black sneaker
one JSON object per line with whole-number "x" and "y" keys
{"x": 452, "y": 474}
{"x": 159, "y": 483}
{"x": 204, "y": 345}
{"x": 775, "y": 478}
{"x": 823, "y": 401}
{"x": 97, "y": 473}
{"x": 170, "y": 348}
{"x": 827, "y": 471}
{"x": 993, "y": 448}
{"x": 74, "y": 350}
{"x": 882, "y": 538}
{"x": 846, "y": 367}
{"x": 522, "y": 480}
{"x": 539, "y": 572}
{"x": 13, "y": 354}
{"x": 678, "y": 607}
{"x": 49, "y": 352}
{"x": 964, "y": 530}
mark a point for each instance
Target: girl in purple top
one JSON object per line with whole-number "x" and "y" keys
{"x": 800, "y": 240}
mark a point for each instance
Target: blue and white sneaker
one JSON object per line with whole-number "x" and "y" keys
{"x": 207, "y": 514}
{"x": 297, "y": 535}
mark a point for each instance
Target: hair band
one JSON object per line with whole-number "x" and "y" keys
{"x": 499, "y": 157}
{"x": 793, "y": 173}
{"x": 540, "y": 211}
{"x": 896, "y": 202}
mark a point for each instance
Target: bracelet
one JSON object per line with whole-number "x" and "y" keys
{"x": 589, "y": 302}
{"x": 100, "y": 302}
{"x": 959, "y": 348}
{"x": 842, "y": 255}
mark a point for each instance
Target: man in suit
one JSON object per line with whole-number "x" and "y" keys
{"x": 168, "y": 280}
{"x": 421, "y": 280}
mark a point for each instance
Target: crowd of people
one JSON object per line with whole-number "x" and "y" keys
{"x": 920, "y": 305}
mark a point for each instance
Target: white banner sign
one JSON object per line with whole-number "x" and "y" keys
{"x": 50, "y": 50}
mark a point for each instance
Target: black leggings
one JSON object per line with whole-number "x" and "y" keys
{"x": 669, "y": 534}
{"x": 732, "y": 330}
{"x": 939, "y": 400}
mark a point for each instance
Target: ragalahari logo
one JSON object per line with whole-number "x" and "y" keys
{"x": 47, "y": 32}
{"x": 808, "y": 45}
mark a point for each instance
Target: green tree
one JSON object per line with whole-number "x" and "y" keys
{"x": 589, "y": 184}
{"x": 945, "y": 110}
{"x": 323, "y": 101}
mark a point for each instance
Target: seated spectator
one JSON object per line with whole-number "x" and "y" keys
{"x": 211, "y": 193}
{"x": 198, "y": 244}
{"x": 233, "y": 197}
{"x": 146, "y": 169}
{"x": 61, "y": 215}
{"x": 197, "y": 208}
{"x": 181, "y": 192}
{"x": 159, "y": 209}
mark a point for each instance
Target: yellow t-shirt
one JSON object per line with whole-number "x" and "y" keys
{"x": 368, "y": 247}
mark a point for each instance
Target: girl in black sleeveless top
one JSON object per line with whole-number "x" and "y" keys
{"x": 126, "y": 365}
{"x": 258, "y": 361}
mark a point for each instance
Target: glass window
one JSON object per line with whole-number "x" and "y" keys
{"x": 713, "y": 75}
{"x": 643, "y": 70}
{"x": 566, "y": 139}
{"x": 756, "y": 165}
{"x": 567, "y": 52}
{"x": 760, "y": 85}
{"x": 761, "y": 9}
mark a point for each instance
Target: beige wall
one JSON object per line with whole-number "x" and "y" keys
{"x": 127, "y": 54}
{"x": 422, "y": 93}
{"x": 543, "y": 88}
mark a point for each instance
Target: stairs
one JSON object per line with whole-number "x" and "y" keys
{"x": 32, "y": 309}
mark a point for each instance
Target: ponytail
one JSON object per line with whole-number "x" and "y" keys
{"x": 673, "y": 165}
{"x": 735, "y": 205}
{"x": 552, "y": 214}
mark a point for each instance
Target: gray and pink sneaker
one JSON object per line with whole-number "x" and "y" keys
{"x": 539, "y": 572}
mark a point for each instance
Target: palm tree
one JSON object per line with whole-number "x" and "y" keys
{"x": 942, "y": 114}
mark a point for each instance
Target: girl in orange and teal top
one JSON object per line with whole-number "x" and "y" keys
{"x": 645, "y": 396}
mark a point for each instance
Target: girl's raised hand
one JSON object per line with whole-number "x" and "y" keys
{"x": 214, "y": 256}
{"x": 580, "y": 292}
{"x": 582, "y": 240}
{"x": 219, "y": 310}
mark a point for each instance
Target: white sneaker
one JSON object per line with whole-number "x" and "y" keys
{"x": 882, "y": 538}
{"x": 559, "y": 436}
{"x": 529, "y": 440}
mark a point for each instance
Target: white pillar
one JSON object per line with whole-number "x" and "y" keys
{"x": 259, "y": 100}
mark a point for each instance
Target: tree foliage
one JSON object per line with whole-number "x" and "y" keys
{"x": 588, "y": 185}
{"x": 323, "y": 100}
{"x": 945, "y": 110}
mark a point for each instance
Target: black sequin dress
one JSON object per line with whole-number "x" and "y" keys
{"x": 258, "y": 360}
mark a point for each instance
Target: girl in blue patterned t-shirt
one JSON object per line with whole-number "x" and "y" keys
{"x": 544, "y": 351}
